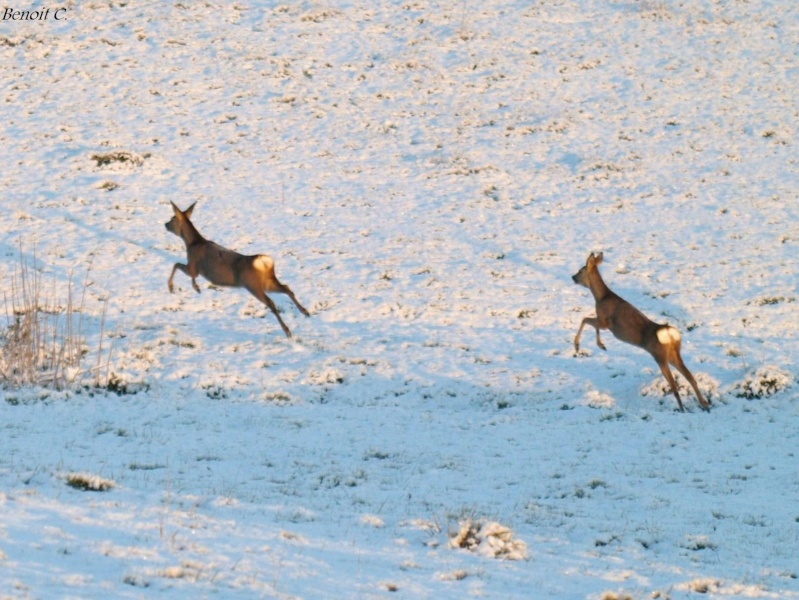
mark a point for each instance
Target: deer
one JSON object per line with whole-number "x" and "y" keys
{"x": 223, "y": 267}
{"x": 630, "y": 325}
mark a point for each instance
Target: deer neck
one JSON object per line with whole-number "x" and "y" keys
{"x": 190, "y": 235}
{"x": 598, "y": 287}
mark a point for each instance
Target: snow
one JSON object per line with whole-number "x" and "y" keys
{"x": 427, "y": 177}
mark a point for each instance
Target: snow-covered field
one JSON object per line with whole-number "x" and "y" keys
{"x": 428, "y": 176}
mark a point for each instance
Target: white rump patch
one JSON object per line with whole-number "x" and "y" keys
{"x": 668, "y": 335}
{"x": 265, "y": 263}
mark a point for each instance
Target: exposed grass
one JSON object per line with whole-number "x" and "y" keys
{"x": 108, "y": 158}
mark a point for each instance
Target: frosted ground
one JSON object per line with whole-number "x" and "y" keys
{"x": 427, "y": 176}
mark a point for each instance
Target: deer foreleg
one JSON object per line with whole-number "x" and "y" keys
{"x": 187, "y": 270}
{"x": 593, "y": 322}
{"x": 177, "y": 266}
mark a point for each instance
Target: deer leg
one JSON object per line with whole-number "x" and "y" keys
{"x": 680, "y": 366}
{"x": 576, "y": 338}
{"x": 192, "y": 271}
{"x": 269, "y": 282}
{"x": 273, "y": 308}
{"x": 188, "y": 271}
{"x": 593, "y": 322}
{"x": 664, "y": 367}
{"x": 599, "y": 341}
{"x": 268, "y": 301}
{"x": 181, "y": 267}
{"x": 287, "y": 290}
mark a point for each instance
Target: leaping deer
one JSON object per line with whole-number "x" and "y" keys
{"x": 225, "y": 267}
{"x": 630, "y": 325}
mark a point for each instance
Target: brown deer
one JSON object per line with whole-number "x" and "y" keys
{"x": 225, "y": 267}
{"x": 630, "y": 325}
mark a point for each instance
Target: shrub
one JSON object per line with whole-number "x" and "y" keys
{"x": 763, "y": 382}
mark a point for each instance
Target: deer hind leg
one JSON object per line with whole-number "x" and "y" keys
{"x": 269, "y": 282}
{"x": 593, "y": 322}
{"x": 664, "y": 367}
{"x": 258, "y": 293}
{"x": 676, "y": 360}
{"x": 284, "y": 289}
{"x": 185, "y": 269}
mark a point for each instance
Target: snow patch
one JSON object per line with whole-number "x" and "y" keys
{"x": 427, "y": 175}
{"x": 597, "y": 399}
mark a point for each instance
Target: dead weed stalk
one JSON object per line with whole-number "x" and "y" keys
{"x": 45, "y": 342}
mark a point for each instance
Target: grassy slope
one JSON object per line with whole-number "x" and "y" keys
{"x": 427, "y": 178}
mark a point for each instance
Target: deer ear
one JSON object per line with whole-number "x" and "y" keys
{"x": 188, "y": 211}
{"x": 599, "y": 258}
{"x": 175, "y": 208}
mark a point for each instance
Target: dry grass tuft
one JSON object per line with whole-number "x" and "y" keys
{"x": 488, "y": 538}
{"x": 89, "y": 483}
